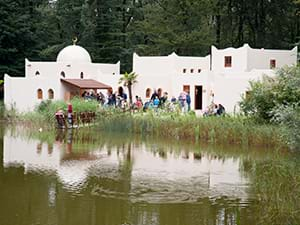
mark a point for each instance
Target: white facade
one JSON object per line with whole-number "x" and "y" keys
{"x": 221, "y": 77}
{"x": 73, "y": 62}
{"x": 218, "y": 80}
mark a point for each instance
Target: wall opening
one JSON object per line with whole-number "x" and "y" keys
{"x": 40, "y": 94}
{"x": 228, "y": 61}
{"x": 50, "y": 94}
{"x": 272, "y": 63}
{"x": 198, "y": 97}
{"x": 148, "y": 92}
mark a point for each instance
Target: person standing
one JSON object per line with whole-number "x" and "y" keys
{"x": 188, "y": 101}
{"x": 182, "y": 101}
{"x": 70, "y": 114}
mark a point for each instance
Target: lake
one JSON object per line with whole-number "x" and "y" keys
{"x": 91, "y": 177}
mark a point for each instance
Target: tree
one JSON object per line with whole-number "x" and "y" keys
{"x": 128, "y": 79}
{"x": 19, "y": 35}
{"x": 269, "y": 94}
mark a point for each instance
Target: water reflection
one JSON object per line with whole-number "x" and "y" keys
{"x": 87, "y": 177}
{"x": 153, "y": 173}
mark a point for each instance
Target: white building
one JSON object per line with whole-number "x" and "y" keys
{"x": 221, "y": 77}
{"x": 71, "y": 74}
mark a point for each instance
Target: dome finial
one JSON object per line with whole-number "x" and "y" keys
{"x": 74, "y": 40}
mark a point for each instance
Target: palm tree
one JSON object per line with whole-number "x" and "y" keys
{"x": 128, "y": 79}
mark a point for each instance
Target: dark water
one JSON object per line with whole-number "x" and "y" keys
{"x": 91, "y": 178}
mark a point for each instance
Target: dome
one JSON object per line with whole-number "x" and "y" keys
{"x": 74, "y": 53}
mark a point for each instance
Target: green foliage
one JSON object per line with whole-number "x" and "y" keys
{"x": 276, "y": 183}
{"x": 270, "y": 93}
{"x": 113, "y": 30}
{"x": 128, "y": 79}
{"x": 260, "y": 100}
{"x": 277, "y": 100}
{"x": 44, "y": 114}
{"x": 2, "y": 109}
{"x": 222, "y": 130}
{"x": 289, "y": 119}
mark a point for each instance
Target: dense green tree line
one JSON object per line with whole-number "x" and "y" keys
{"x": 113, "y": 30}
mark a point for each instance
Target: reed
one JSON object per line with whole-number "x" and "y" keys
{"x": 236, "y": 130}
{"x": 217, "y": 130}
{"x": 276, "y": 183}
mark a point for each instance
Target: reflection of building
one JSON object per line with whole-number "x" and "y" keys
{"x": 221, "y": 77}
{"x": 56, "y": 158}
{"x": 131, "y": 169}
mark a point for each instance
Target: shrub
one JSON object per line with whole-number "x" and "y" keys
{"x": 270, "y": 93}
{"x": 289, "y": 118}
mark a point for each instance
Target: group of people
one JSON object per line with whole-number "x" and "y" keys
{"x": 214, "y": 110}
{"x": 185, "y": 101}
{"x": 156, "y": 101}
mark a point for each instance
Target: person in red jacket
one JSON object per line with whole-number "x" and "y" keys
{"x": 70, "y": 114}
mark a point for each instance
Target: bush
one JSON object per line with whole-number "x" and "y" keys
{"x": 267, "y": 95}
{"x": 277, "y": 100}
{"x": 289, "y": 119}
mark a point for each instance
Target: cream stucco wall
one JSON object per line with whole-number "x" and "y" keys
{"x": 260, "y": 58}
{"x": 169, "y": 73}
{"x": 239, "y": 59}
{"x": 21, "y": 92}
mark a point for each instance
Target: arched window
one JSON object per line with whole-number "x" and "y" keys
{"x": 39, "y": 94}
{"x": 148, "y": 92}
{"x": 192, "y": 70}
{"x": 159, "y": 92}
{"x": 81, "y": 75}
{"x": 37, "y": 73}
{"x": 50, "y": 94}
{"x": 63, "y": 74}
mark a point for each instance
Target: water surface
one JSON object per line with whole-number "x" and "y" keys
{"x": 89, "y": 177}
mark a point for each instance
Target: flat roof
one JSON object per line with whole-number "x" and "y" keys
{"x": 86, "y": 83}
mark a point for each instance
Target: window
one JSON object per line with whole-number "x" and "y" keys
{"x": 184, "y": 70}
{"x": 159, "y": 92}
{"x": 272, "y": 63}
{"x": 199, "y": 70}
{"x": 63, "y": 74}
{"x": 39, "y": 94}
{"x": 186, "y": 88}
{"x": 81, "y": 75}
{"x": 228, "y": 61}
{"x": 148, "y": 92}
{"x": 37, "y": 73}
{"x": 192, "y": 70}
{"x": 50, "y": 94}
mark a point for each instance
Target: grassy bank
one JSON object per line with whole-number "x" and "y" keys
{"x": 217, "y": 130}
{"x": 44, "y": 114}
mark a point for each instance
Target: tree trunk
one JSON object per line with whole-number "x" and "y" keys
{"x": 130, "y": 93}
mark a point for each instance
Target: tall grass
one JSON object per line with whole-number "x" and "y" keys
{"x": 277, "y": 184}
{"x": 44, "y": 113}
{"x": 217, "y": 130}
